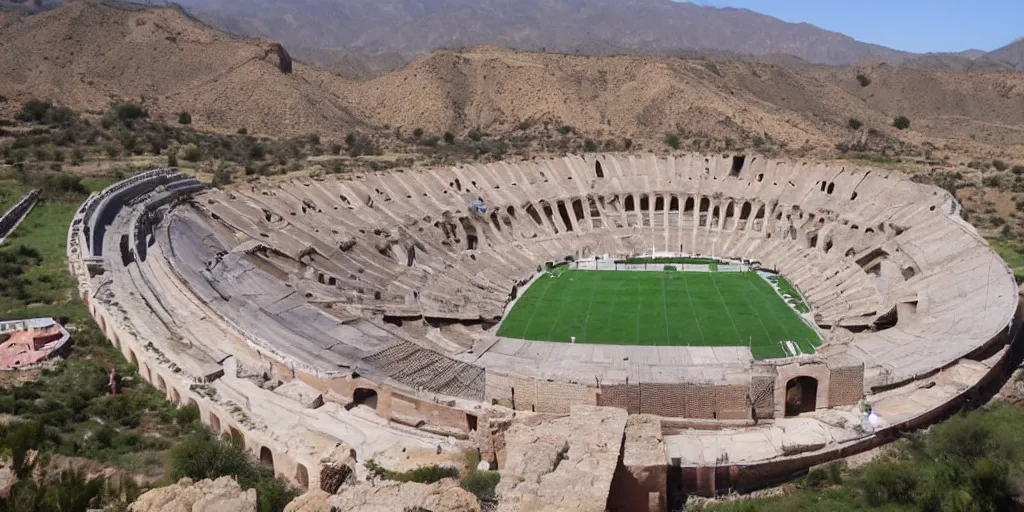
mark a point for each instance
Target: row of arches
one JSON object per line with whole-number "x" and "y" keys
{"x": 209, "y": 417}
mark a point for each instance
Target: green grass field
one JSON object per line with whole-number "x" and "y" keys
{"x": 659, "y": 308}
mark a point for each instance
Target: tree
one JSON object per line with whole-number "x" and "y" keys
{"x": 901, "y": 123}
{"x": 855, "y": 124}
{"x": 184, "y": 118}
{"x": 34, "y": 110}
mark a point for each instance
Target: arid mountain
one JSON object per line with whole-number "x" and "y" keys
{"x": 85, "y": 55}
{"x": 1012, "y": 54}
{"x": 620, "y": 96}
{"x": 413, "y": 27}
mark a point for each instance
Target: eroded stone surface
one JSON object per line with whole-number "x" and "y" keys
{"x": 220, "y": 495}
{"x": 443, "y": 496}
{"x": 544, "y": 473}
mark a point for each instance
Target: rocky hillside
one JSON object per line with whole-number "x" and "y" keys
{"x": 645, "y": 97}
{"x": 86, "y": 55}
{"x": 1012, "y": 54}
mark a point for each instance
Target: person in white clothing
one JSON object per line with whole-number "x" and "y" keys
{"x": 572, "y": 339}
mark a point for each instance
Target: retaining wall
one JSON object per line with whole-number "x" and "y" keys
{"x": 13, "y": 216}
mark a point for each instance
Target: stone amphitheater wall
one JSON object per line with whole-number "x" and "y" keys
{"x": 177, "y": 388}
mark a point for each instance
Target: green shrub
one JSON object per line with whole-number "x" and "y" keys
{"x": 242, "y": 131}
{"x": 449, "y": 138}
{"x": 482, "y": 484}
{"x": 999, "y": 165}
{"x": 417, "y": 133}
{"x": 423, "y": 475}
{"x": 184, "y": 118}
{"x": 34, "y": 110}
{"x": 566, "y": 129}
{"x": 1018, "y": 170}
{"x": 672, "y": 140}
{"x": 901, "y": 123}
{"x": 222, "y": 176}
{"x": 855, "y": 124}
{"x": 992, "y": 180}
{"x": 863, "y": 80}
{"x": 590, "y": 146}
{"x": 172, "y": 158}
{"x": 475, "y": 135}
{"x": 670, "y": 268}
{"x": 127, "y": 111}
{"x": 192, "y": 153}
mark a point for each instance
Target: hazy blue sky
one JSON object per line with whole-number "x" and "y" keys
{"x": 910, "y": 25}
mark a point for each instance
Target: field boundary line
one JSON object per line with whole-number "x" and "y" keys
{"x": 664, "y": 307}
{"x": 686, "y": 288}
{"x": 726, "y": 307}
{"x": 758, "y": 314}
{"x": 586, "y": 319}
{"x": 543, "y": 294}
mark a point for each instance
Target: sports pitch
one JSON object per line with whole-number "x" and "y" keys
{"x": 700, "y": 309}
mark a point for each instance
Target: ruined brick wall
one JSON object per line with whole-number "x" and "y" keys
{"x": 762, "y": 396}
{"x": 732, "y": 403}
{"x": 846, "y": 385}
{"x": 623, "y": 396}
{"x": 664, "y": 399}
{"x": 556, "y": 397}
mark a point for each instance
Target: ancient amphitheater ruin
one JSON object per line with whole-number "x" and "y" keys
{"x": 360, "y": 309}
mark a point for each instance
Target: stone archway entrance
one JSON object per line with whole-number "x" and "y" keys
{"x": 801, "y": 395}
{"x": 367, "y": 397}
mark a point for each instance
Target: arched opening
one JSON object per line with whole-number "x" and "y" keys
{"x": 175, "y": 397}
{"x": 598, "y": 169}
{"x": 801, "y": 395}
{"x": 117, "y": 342}
{"x": 192, "y": 403}
{"x": 534, "y": 214}
{"x": 266, "y": 457}
{"x": 745, "y": 211}
{"x": 645, "y": 203}
{"x": 160, "y": 384}
{"x": 688, "y": 205}
{"x": 302, "y": 476}
{"x": 550, "y": 214}
{"x": 577, "y": 209}
{"x": 364, "y": 396}
{"x": 148, "y": 375}
{"x": 831, "y": 188}
{"x": 629, "y": 205}
{"x": 673, "y": 204}
{"x": 659, "y": 203}
{"x": 564, "y": 214}
{"x": 214, "y": 422}
{"x": 132, "y": 359}
{"x": 236, "y": 437}
{"x": 705, "y": 204}
{"x": 737, "y": 165}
